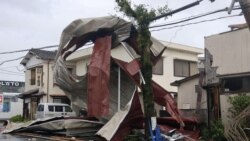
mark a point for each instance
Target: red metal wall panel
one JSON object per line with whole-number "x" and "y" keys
{"x": 98, "y": 77}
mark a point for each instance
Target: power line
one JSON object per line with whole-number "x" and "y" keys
{"x": 10, "y": 60}
{"x": 188, "y": 18}
{"x": 194, "y": 17}
{"x": 11, "y": 71}
{"x": 12, "y": 74}
{"x": 224, "y": 17}
{"x": 16, "y": 51}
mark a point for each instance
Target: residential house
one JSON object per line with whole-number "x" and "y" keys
{"x": 10, "y": 104}
{"x": 189, "y": 100}
{"x": 230, "y": 51}
{"x": 177, "y": 62}
{"x": 39, "y": 86}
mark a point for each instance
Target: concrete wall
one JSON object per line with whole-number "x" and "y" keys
{"x": 187, "y": 100}
{"x": 16, "y": 108}
{"x": 187, "y": 97}
{"x": 230, "y": 51}
{"x": 224, "y": 105}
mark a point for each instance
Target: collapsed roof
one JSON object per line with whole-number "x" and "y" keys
{"x": 97, "y": 89}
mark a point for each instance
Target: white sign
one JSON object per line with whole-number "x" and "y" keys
{"x": 10, "y": 83}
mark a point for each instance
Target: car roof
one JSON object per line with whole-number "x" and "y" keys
{"x": 54, "y": 104}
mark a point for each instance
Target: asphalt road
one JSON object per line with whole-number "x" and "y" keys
{"x": 9, "y": 137}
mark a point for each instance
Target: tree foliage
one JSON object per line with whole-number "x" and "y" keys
{"x": 143, "y": 16}
{"x": 239, "y": 103}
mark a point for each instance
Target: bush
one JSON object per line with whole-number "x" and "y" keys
{"x": 239, "y": 103}
{"x": 17, "y": 118}
{"x": 216, "y": 132}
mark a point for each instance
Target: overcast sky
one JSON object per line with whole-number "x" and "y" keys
{"x": 36, "y": 23}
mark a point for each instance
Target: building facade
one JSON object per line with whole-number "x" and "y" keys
{"x": 177, "y": 62}
{"x": 10, "y": 104}
{"x": 188, "y": 102}
{"x": 39, "y": 86}
{"x": 230, "y": 51}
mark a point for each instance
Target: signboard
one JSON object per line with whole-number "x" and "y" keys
{"x": 11, "y": 86}
{"x": 1, "y": 103}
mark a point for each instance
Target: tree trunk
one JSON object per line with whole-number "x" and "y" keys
{"x": 144, "y": 45}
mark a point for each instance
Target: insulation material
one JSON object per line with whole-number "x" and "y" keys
{"x": 98, "y": 78}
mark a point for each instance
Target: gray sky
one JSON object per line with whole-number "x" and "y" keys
{"x": 36, "y": 23}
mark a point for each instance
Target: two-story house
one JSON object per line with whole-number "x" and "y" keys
{"x": 230, "y": 54}
{"x": 39, "y": 85}
{"x": 177, "y": 62}
{"x": 230, "y": 51}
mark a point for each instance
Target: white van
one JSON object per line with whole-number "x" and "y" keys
{"x": 45, "y": 110}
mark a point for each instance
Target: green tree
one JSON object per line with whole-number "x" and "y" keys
{"x": 239, "y": 103}
{"x": 143, "y": 17}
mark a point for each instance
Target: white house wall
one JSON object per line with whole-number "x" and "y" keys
{"x": 81, "y": 66}
{"x": 47, "y": 85}
{"x": 34, "y": 61}
{"x": 16, "y": 108}
{"x": 175, "y": 51}
{"x": 168, "y": 67}
{"x": 187, "y": 97}
{"x": 230, "y": 51}
{"x": 48, "y": 82}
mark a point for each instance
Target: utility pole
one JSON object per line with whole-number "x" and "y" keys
{"x": 144, "y": 18}
{"x": 245, "y": 6}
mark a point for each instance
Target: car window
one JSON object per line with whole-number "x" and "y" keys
{"x": 51, "y": 108}
{"x": 67, "y": 109}
{"x": 58, "y": 108}
{"x": 40, "y": 108}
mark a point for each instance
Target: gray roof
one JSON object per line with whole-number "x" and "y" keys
{"x": 42, "y": 54}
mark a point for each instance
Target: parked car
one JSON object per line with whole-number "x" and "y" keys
{"x": 45, "y": 110}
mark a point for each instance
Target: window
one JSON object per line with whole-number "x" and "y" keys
{"x": 58, "y": 108}
{"x": 40, "y": 108}
{"x": 183, "y": 68}
{"x": 158, "y": 67}
{"x": 33, "y": 76}
{"x": 51, "y": 108}
{"x": 61, "y": 99}
{"x": 67, "y": 109}
{"x": 236, "y": 84}
{"x": 6, "y": 106}
{"x": 57, "y": 100}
